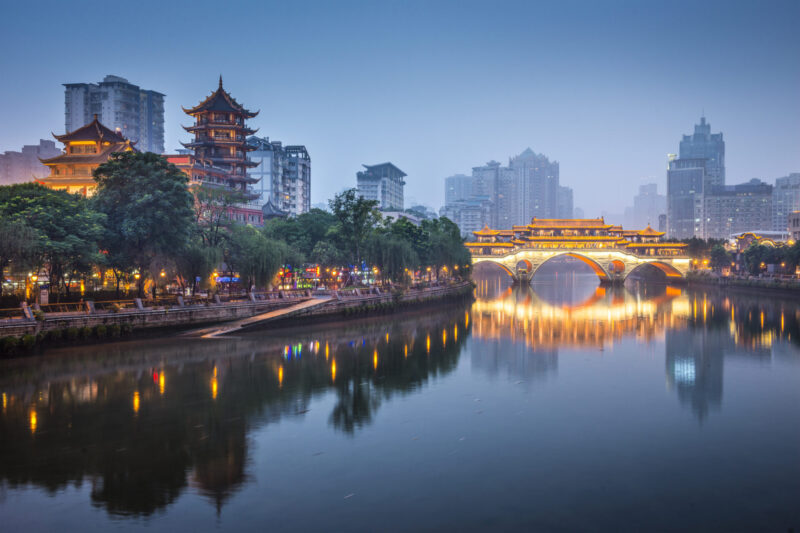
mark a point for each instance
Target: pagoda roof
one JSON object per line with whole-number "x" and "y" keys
{"x": 486, "y": 231}
{"x": 271, "y": 211}
{"x": 220, "y": 100}
{"x": 90, "y": 159}
{"x": 656, "y": 244}
{"x": 494, "y": 244}
{"x": 595, "y": 223}
{"x": 650, "y": 232}
{"x": 93, "y": 131}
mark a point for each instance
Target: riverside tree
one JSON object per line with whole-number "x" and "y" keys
{"x": 148, "y": 209}
{"x": 66, "y": 228}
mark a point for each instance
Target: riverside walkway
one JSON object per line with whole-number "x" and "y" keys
{"x": 244, "y": 323}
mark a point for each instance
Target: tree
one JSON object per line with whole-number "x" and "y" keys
{"x": 197, "y": 261}
{"x": 67, "y": 228}
{"x": 212, "y": 212}
{"x": 18, "y": 245}
{"x": 720, "y": 257}
{"x": 256, "y": 258}
{"x": 148, "y": 208}
{"x": 355, "y": 216}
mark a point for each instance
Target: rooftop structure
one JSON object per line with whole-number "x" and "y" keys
{"x": 85, "y": 149}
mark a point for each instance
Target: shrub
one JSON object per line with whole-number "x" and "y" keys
{"x": 72, "y": 333}
{"x": 126, "y": 329}
{"x": 8, "y": 345}
{"x": 100, "y": 331}
{"x": 28, "y": 341}
{"x": 55, "y": 335}
{"x": 38, "y": 314}
{"x": 85, "y": 332}
{"x": 114, "y": 330}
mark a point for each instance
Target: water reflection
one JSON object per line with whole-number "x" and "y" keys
{"x": 520, "y": 330}
{"x": 142, "y": 421}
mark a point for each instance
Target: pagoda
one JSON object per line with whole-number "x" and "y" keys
{"x": 84, "y": 150}
{"x": 220, "y": 150}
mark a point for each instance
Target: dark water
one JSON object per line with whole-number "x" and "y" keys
{"x": 560, "y": 408}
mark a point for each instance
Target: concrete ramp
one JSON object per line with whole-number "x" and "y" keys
{"x": 244, "y": 323}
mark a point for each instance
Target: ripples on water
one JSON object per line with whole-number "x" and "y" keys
{"x": 563, "y": 405}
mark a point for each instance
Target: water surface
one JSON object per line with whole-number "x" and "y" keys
{"x": 564, "y": 406}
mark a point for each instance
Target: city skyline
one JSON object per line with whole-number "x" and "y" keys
{"x": 609, "y": 102}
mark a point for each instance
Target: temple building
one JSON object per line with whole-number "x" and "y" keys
{"x": 220, "y": 152}
{"x": 84, "y": 150}
{"x": 592, "y": 233}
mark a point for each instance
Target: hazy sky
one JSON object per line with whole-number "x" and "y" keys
{"x": 605, "y": 88}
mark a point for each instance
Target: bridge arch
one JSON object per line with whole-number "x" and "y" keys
{"x": 594, "y": 265}
{"x": 503, "y": 267}
{"x": 669, "y": 271}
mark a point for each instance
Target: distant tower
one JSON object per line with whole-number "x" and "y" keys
{"x": 703, "y": 144}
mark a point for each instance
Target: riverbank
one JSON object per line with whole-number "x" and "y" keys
{"x": 771, "y": 285}
{"x": 19, "y": 336}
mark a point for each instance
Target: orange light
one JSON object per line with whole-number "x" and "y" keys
{"x": 136, "y": 401}
{"x": 280, "y": 376}
{"x": 375, "y": 359}
{"x": 333, "y": 370}
{"x": 326, "y": 350}
{"x": 161, "y": 383}
{"x": 428, "y": 344}
{"x": 34, "y": 421}
{"x": 214, "y": 388}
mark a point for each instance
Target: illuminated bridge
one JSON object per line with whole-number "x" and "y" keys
{"x": 610, "y": 251}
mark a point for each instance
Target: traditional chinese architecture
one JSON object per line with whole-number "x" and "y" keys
{"x": 220, "y": 151}
{"x": 609, "y": 250}
{"x": 84, "y": 150}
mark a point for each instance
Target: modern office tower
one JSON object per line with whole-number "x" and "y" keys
{"x": 136, "y": 113}
{"x": 457, "y": 187}
{"x": 702, "y": 156}
{"x": 685, "y": 178}
{"x": 647, "y": 206}
{"x": 382, "y": 183}
{"x": 537, "y": 186}
{"x": 733, "y": 209}
{"x": 25, "y": 165}
{"x": 564, "y": 209}
{"x": 470, "y": 214}
{"x": 785, "y": 200}
{"x": 220, "y": 151}
{"x": 703, "y": 144}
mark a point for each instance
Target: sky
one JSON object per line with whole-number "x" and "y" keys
{"x": 606, "y": 88}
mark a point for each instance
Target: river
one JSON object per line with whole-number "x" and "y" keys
{"x": 563, "y": 406}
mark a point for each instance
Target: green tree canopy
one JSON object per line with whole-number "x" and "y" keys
{"x": 356, "y": 217}
{"x": 148, "y": 207}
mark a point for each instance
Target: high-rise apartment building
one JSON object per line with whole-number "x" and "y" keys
{"x": 383, "y": 183}
{"x": 25, "y": 165}
{"x": 284, "y": 174}
{"x": 470, "y": 214}
{"x": 647, "y": 206}
{"x": 730, "y": 209}
{"x": 564, "y": 208}
{"x": 537, "y": 183}
{"x": 136, "y": 113}
{"x": 785, "y": 200}
{"x": 458, "y": 187}
{"x": 685, "y": 178}
{"x": 699, "y": 167}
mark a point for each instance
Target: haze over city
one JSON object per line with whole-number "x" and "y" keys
{"x": 606, "y": 89}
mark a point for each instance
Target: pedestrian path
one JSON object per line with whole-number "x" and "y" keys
{"x": 241, "y": 324}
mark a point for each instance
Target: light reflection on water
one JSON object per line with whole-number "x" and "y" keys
{"x": 575, "y": 384}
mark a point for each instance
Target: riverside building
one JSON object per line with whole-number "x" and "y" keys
{"x": 84, "y": 150}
